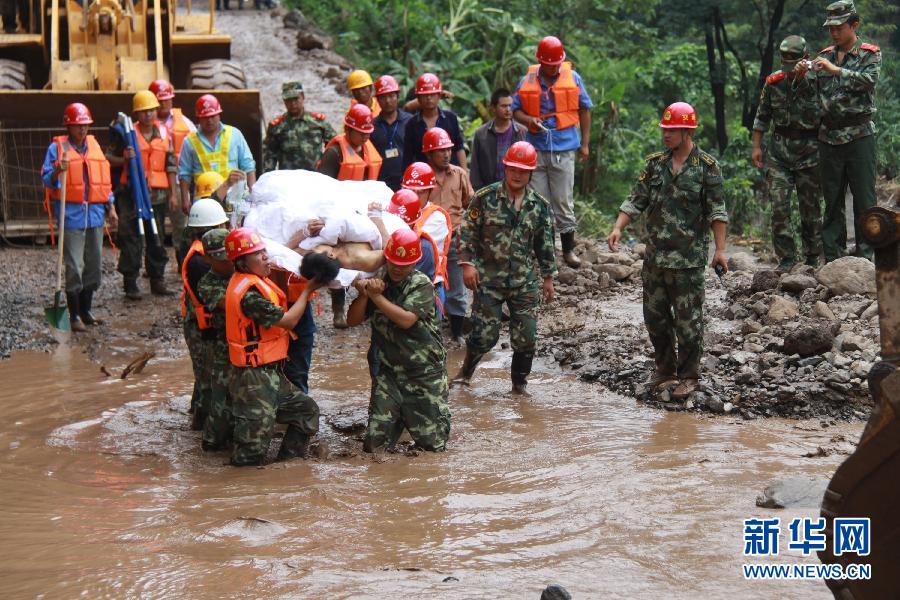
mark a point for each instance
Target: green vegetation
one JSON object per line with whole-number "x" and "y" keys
{"x": 635, "y": 57}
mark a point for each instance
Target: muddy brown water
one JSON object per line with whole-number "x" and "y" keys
{"x": 105, "y": 493}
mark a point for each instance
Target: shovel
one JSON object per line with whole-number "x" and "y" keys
{"x": 57, "y": 315}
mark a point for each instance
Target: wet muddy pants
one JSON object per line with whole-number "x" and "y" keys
{"x": 673, "y": 310}
{"x": 417, "y": 403}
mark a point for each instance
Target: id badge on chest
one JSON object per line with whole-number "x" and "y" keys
{"x": 391, "y": 153}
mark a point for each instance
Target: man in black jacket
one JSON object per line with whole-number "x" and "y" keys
{"x": 492, "y": 140}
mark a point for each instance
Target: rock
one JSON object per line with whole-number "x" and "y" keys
{"x": 616, "y": 258}
{"x": 736, "y": 312}
{"x": 810, "y": 362}
{"x": 603, "y": 280}
{"x": 803, "y": 269}
{"x": 750, "y": 326}
{"x": 295, "y": 20}
{"x": 850, "y": 342}
{"x": 567, "y": 276}
{"x": 764, "y": 280}
{"x": 793, "y": 492}
{"x": 715, "y": 404}
{"x": 869, "y": 312}
{"x": 821, "y": 310}
{"x": 740, "y": 261}
{"x": 808, "y": 340}
{"x": 728, "y": 407}
{"x": 615, "y": 271}
{"x": 795, "y": 284}
{"x": 638, "y": 266}
{"x": 848, "y": 275}
{"x": 742, "y": 357}
{"x": 554, "y": 591}
{"x": 640, "y": 250}
{"x": 314, "y": 40}
{"x": 759, "y": 307}
{"x": 782, "y": 309}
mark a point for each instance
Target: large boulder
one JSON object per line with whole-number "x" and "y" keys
{"x": 798, "y": 492}
{"x": 808, "y": 340}
{"x": 613, "y": 258}
{"x": 782, "y": 309}
{"x": 741, "y": 261}
{"x": 848, "y": 275}
{"x": 764, "y": 280}
{"x": 796, "y": 283}
{"x": 615, "y": 271}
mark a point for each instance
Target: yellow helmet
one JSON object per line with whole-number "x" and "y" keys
{"x": 358, "y": 79}
{"x": 144, "y": 100}
{"x": 207, "y": 183}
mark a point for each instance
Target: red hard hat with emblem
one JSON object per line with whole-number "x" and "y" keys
{"x": 436, "y": 139}
{"x": 550, "y": 51}
{"x": 359, "y": 117}
{"x": 162, "y": 89}
{"x": 406, "y": 205}
{"x": 385, "y": 85}
{"x": 404, "y": 248}
{"x": 521, "y": 155}
{"x": 77, "y": 114}
{"x": 428, "y": 83}
{"x": 679, "y": 115}
{"x": 241, "y": 241}
{"x": 207, "y": 106}
{"x": 418, "y": 176}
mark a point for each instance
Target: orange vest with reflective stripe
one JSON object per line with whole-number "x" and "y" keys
{"x": 153, "y": 156}
{"x": 440, "y": 254}
{"x": 99, "y": 182}
{"x": 250, "y": 345}
{"x": 179, "y": 131}
{"x": 565, "y": 95}
{"x": 204, "y": 318}
{"x": 353, "y": 166}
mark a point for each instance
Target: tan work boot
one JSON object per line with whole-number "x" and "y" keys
{"x": 568, "y": 247}
{"x": 685, "y": 388}
{"x": 658, "y": 379}
{"x": 158, "y": 288}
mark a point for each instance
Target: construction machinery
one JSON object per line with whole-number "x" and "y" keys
{"x": 100, "y": 52}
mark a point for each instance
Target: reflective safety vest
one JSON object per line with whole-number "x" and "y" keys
{"x": 212, "y": 160}
{"x": 204, "y": 317}
{"x": 353, "y": 166}
{"x": 153, "y": 156}
{"x": 179, "y": 131}
{"x": 438, "y": 221}
{"x": 565, "y": 96}
{"x": 250, "y": 345}
{"x": 99, "y": 182}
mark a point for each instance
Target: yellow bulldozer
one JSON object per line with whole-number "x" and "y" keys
{"x": 99, "y": 52}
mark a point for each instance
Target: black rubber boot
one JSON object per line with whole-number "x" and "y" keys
{"x": 468, "y": 368}
{"x": 568, "y": 247}
{"x": 132, "y": 291}
{"x": 456, "y": 326}
{"x": 519, "y": 371}
{"x": 74, "y": 316}
{"x": 294, "y": 445}
{"x": 85, "y": 299}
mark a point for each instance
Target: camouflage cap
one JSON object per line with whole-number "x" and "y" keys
{"x": 291, "y": 89}
{"x": 838, "y": 12}
{"x": 792, "y": 49}
{"x": 214, "y": 243}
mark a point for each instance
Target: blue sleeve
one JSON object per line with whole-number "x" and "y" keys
{"x": 517, "y": 104}
{"x": 47, "y": 168}
{"x": 245, "y": 160}
{"x": 426, "y": 263}
{"x": 584, "y": 101}
{"x": 456, "y": 135}
{"x": 186, "y": 161}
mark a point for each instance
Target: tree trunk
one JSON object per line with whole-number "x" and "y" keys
{"x": 717, "y": 74}
{"x": 768, "y": 60}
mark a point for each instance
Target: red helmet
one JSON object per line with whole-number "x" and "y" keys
{"x": 679, "y": 115}
{"x": 428, "y": 83}
{"x": 385, "y": 85}
{"x": 406, "y": 205}
{"x": 241, "y": 241}
{"x": 162, "y": 89}
{"x": 404, "y": 248}
{"x": 77, "y": 114}
{"x": 550, "y": 51}
{"x": 521, "y": 155}
{"x": 207, "y": 106}
{"x": 418, "y": 176}
{"x": 436, "y": 139}
{"x": 359, "y": 117}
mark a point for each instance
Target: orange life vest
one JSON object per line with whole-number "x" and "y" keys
{"x": 204, "y": 317}
{"x": 440, "y": 254}
{"x": 250, "y": 345}
{"x": 153, "y": 156}
{"x": 179, "y": 131}
{"x": 353, "y": 166}
{"x": 565, "y": 96}
{"x": 99, "y": 182}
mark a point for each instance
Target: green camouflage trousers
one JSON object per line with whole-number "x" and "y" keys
{"x": 673, "y": 309}
{"x": 261, "y": 397}
{"x": 219, "y": 421}
{"x": 487, "y": 310}
{"x": 418, "y": 404}
{"x": 782, "y": 183}
{"x": 197, "y": 350}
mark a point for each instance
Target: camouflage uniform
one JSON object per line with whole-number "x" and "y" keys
{"x": 219, "y": 422}
{"x": 793, "y": 155}
{"x": 200, "y": 396}
{"x": 679, "y": 211}
{"x": 263, "y": 396}
{"x": 847, "y": 135}
{"x": 503, "y": 245}
{"x": 411, "y": 386}
{"x": 295, "y": 142}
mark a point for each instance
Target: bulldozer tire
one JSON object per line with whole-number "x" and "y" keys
{"x": 13, "y": 75}
{"x": 217, "y": 74}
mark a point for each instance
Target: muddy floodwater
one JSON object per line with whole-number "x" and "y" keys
{"x": 105, "y": 493}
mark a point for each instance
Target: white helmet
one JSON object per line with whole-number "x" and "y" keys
{"x": 206, "y": 212}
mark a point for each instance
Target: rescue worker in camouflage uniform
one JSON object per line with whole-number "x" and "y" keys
{"x": 257, "y": 326}
{"x": 792, "y": 104}
{"x": 846, "y": 75}
{"x": 296, "y": 139}
{"x": 211, "y": 291}
{"x": 681, "y": 193}
{"x": 506, "y": 229}
{"x": 411, "y": 387}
